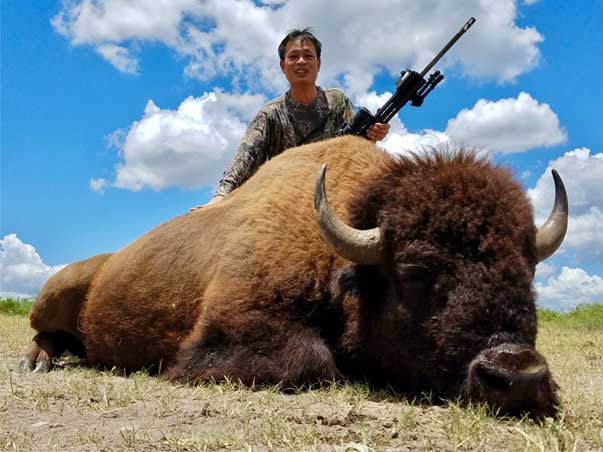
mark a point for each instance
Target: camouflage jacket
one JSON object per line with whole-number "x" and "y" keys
{"x": 281, "y": 124}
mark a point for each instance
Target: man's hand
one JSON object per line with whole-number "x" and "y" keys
{"x": 217, "y": 198}
{"x": 377, "y": 132}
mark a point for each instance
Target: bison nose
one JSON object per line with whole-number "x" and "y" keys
{"x": 511, "y": 377}
{"x": 519, "y": 384}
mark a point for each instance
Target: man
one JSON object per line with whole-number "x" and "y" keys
{"x": 306, "y": 113}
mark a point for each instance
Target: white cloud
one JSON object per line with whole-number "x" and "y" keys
{"x": 239, "y": 38}
{"x": 570, "y": 288}
{"x": 582, "y": 174}
{"x": 119, "y": 57}
{"x": 399, "y": 140}
{"x": 187, "y": 147}
{"x": 397, "y": 143}
{"x": 101, "y": 21}
{"x": 98, "y": 185}
{"x": 22, "y": 271}
{"x": 191, "y": 146}
{"x": 544, "y": 270}
{"x": 116, "y": 139}
{"x": 507, "y": 125}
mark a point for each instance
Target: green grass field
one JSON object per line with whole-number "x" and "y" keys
{"x": 14, "y": 306}
{"x": 585, "y": 317}
{"x": 75, "y": 408}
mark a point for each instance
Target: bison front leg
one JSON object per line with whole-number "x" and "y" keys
{"x": 289, "y": 355}
{"x": 55, "y": 312}
{"x": 46, "y": 347}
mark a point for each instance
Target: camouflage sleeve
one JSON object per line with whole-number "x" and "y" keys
{"x": 349, "y": 111}
{"x": 249, "y": 156}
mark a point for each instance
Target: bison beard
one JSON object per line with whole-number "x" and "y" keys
{"x": 418, "y": 275}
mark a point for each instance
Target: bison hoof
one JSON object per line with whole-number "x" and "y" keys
{"x": 37, "y": 360}
{"x": 40, "y": 366}
{"x": 25, "y": 365}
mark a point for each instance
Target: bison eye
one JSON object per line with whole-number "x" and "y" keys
{"x": 413, "y": 271}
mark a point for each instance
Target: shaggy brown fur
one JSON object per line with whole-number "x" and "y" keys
{"x": 472, "y": 227}
{"x": 247, "y": 289}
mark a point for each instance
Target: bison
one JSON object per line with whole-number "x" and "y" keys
{"x": 415, "y": 272}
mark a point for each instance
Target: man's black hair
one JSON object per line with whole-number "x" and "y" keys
{"x": 303, "y": 35}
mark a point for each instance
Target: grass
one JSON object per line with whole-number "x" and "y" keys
{"x": 77, "y": 408}
{"x": 15, "y": 306}
{"x": 585, "y": 317}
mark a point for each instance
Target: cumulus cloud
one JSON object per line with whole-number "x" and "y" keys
{"x": 507, "y": 125}
{"x": 570, "y": 288}
{"x": 191, "y": 145}
{"x": 188, "y": 147}
{"x": 103, "y": 21}
{"x": 238, "y": 37}
{"x": 582, "y": 174}
{"x": 22, "y": 271}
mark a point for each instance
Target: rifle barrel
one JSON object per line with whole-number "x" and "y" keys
{"x": 454, "y": 39}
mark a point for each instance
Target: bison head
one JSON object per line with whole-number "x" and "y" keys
{"x": 447, "y": 247}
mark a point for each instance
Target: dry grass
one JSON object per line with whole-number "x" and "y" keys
{"x": 80, "y": 409}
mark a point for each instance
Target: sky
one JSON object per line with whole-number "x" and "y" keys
{"x": 117, "y": 115}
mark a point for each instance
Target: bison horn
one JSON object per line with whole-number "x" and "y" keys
{"x": 361, "y": 247}
{"x": 551, "y": 233}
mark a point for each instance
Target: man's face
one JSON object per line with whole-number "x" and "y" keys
{"x": 301, "y": 65}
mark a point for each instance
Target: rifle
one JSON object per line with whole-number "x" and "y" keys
{"x": 411, "y": 86}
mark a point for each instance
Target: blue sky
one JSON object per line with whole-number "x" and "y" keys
{"x": 118, "y": 115}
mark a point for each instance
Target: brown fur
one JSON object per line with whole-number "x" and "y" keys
{"x": 223, "y": 265}
{"x": 247, "y": 289}
{"x": 472, "y": 226}
{"x": 60, "y": 300}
